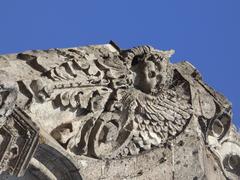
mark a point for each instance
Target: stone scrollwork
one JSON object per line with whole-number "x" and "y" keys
{"x": 108, "y": 104}
{"x": 139, "y": 109}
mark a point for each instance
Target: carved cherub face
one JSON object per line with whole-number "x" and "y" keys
{"x": 151, "y": 73}
{"x": 149, "y": 76}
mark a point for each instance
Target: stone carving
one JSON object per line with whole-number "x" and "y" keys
{"x": 8, "y": 96}
{"x": 19, "y": 139}
{"x": 108, "y": 104}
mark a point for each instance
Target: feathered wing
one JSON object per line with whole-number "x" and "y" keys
{"x": 159, "y": 119}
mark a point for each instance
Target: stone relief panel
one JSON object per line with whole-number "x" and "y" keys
{"x": 108, "y": 104}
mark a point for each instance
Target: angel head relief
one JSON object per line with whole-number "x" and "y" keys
{"x": 151, "y": 72}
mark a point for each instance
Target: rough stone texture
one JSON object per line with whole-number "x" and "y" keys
{"x": 99, "y": 112}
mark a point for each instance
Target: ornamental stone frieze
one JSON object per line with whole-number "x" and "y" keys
{"x": 101, "y": 112}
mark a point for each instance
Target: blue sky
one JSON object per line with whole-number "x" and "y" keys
{"x": 206, "y": 32}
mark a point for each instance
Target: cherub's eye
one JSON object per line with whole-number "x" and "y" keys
{"x": 152, "y": 74}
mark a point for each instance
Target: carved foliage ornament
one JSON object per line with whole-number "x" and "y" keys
{"x": 108, "y": 103}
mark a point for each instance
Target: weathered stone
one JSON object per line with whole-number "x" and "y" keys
{"x": 99, "y": 112}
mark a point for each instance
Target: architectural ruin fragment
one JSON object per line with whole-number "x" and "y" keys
{"x": 100, "y": 112}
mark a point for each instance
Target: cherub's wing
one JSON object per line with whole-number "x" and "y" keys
{"x": 160, "y": 119}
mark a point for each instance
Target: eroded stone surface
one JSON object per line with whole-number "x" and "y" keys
{"x": 99, "y": 112}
